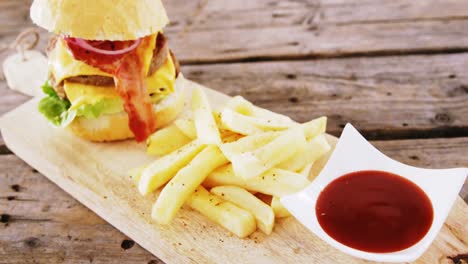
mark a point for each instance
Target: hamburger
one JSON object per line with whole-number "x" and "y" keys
{"x": 111, "y": 74}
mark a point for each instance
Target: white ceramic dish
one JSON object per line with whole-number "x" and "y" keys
{"x": 354, "y": 153}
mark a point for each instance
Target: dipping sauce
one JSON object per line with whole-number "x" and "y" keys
{"x": 374, "y": 211}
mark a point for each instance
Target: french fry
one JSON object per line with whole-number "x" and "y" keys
{"x": 244, "y": 107}
{"x": 297, "y": 161}
{"x": 248, "y": 155}
{"x": 162, "y": 170}
{"x": 166, "y": 140}
{"x": 279, "y": 210}
{"x": 250, "y": 118}
{"x": 310, "y": 152}
{"x": 184, "y": 183}
{"x": 248, "y": 143}
{"x": 229, "y": 136}
{"x": 237, "y": 220}
{"x": 205, "y": 125}
{"x": 187, "y": 126}
{"x": 275, "y": 182}
{"x": 240, "y": 105}
{"x": 315, "y": 127}
{"x": 253, "y": 163}
{"x": 266, "y": 198}
{"x": 319, "y": 146}
{"x": 238, "y": 123}
{"x": 245, "y": 118}
{"x": 306, "y": 170}
{"x": 135, "y": 174}
{"x": 248, "y": 125}
{"x": 217, "y": 118}
{"x": 247, "y": 201}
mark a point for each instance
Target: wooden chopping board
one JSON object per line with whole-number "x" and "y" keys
{"x": 96, "y": 175}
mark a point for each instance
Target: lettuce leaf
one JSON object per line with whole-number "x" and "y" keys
{"x": 103, "y": 106}
{"x": 60, "y": 112}
{"x": 54, "y": 108}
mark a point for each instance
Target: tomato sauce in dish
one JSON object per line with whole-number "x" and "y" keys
{"x": 374, "y": 211}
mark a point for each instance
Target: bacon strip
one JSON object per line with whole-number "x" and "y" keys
{"x": 130, "y": 84}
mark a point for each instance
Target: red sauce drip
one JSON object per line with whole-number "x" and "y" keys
{"x": 374, "y": 211}
{"x": 129, "y": 73}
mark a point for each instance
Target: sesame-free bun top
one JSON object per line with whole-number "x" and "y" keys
{"x": 100, "y": 19}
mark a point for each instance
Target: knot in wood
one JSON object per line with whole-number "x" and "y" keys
{"x": 4, "y": 218}
{"x": 442, "y": 118}
{"x": 32, "y": 242}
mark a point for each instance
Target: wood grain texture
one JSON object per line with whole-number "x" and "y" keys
{"x": 98, "y": 180}
{"x": 385, "y": 98}
{"x": 42, "y": 224}
{"x": 231, "y": 31}
{"x": 213, "y": 31}
{"x": 65, "y": 230}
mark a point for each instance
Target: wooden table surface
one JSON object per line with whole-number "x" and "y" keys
{"x": 397, "y": 70}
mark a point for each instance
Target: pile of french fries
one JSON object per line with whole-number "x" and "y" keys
{"x": 232, "y": 166}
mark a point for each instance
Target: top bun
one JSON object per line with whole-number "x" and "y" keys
{"x": 100, "y": 19}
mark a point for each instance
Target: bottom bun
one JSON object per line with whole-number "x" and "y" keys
{"x": 115, "y": 127}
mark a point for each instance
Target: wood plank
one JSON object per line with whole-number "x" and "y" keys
{"x": 298, "y": 29}
{"x": 43, "y": 224}
{"x": 334, "y": 13}
{"x": 260, "y": 13}
{"x": 10, "y": 99}
{"x": 202, "y": 15}
{"x": 296, "y": 42}
{"x": 98, "y": 180}
{"x": 388, "y": 97}
{"x": 14, "y": 15}
{"x": 437, "y": 153}
{"x": 295, "y": 29}
{"x": 46, "y": 224}
{"x": 384, "y": 97}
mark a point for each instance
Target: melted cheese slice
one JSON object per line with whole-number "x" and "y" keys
{"x": 62, "y": 64}
{"x": 80, "y": 94}
{"x": 163, "y": 79}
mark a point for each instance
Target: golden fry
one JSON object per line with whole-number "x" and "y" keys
{"x": 245, "y": 200}
{"x": 187, "y": 126}
{"x": 248, "y": 143}
{"x": 252, "y": 164}
{"x": 244, "y": 107}
{"x": 179, "y": 188}
{"x": 279, "y": 210}
{"x": 274, "y": 182}
{"x": 315, "y": 127}
{"x": 162, "y": 170}
{"x": 135, "y": 174}
{"x": 237, "y": 220}
{"x": 308, "y": 153}
{"x": 166, "y": 140}
{"x": 205, "y": 124}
